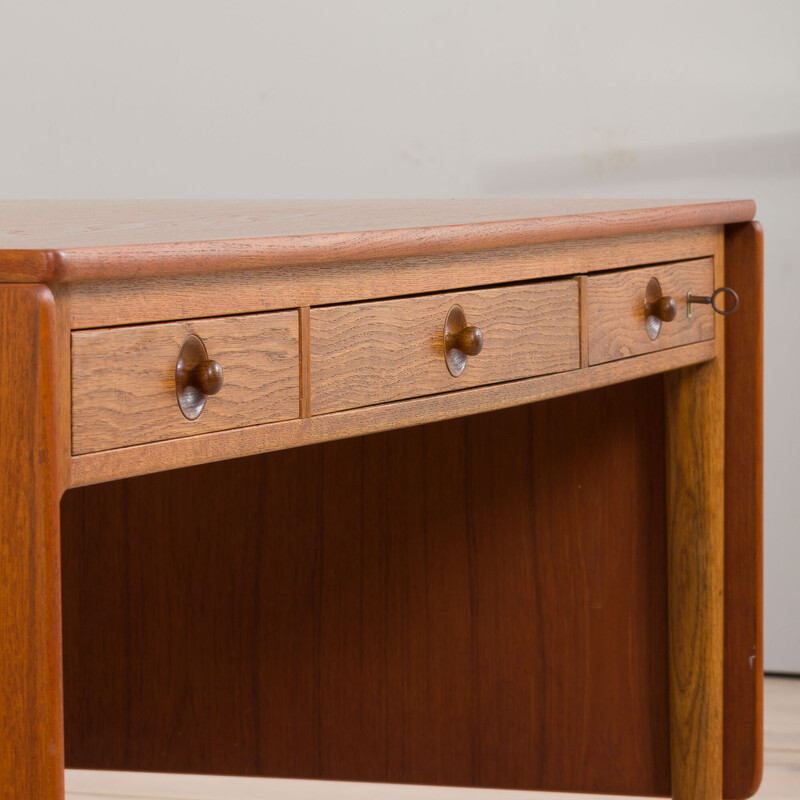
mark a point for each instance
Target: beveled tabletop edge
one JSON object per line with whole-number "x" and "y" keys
{"x": 109, "y": 240}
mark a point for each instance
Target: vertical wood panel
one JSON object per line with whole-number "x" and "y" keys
{"x": 744, "y": 389}
{"x": 695, "y": 406}
{"x": 31, "y": 744}
{"x": 476, "y": 602}
{"x": 600, "y": 496}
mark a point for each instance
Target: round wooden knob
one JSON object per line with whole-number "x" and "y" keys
{"x": 468, "y": 340}
{"x": 460, "y": 341}
{"x": 665, "y": 308}
{"x": 197, "y": 377}
{"x": 658, "y": 308}
{"x": 207, "y": 377}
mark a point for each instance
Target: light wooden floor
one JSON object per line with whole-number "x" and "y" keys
{"x": 781, "y": 773}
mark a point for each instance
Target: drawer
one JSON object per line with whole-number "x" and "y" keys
{"x": 370, "y": 353}
{"x": 617, "y": 321}
{"x": 123, "y": 379}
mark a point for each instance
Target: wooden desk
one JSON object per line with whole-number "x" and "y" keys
{"x": 359, "y": 561}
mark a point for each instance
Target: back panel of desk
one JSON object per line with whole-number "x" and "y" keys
{"x": 479, "y": 602}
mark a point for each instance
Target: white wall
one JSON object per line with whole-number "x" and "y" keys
{"x": 434, "y": 98}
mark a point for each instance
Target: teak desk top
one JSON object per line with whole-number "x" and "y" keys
{"x": 537, "y": 388}
{"x": 55, "y": 240}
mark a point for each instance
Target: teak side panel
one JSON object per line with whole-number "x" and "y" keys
{"x": 265, "y": 288}
{"x": 441, "y": 604}
{"x": 31, "y": 742}
{"x": 123, "y": 379}
{"x": 617, "y": 316}
{"x": 744, "y": 479}
{"x": 371, "y": 353}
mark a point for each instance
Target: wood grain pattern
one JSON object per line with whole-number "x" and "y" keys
{"x": 744, "y": 510}
{"x": 617, "y": 315}
{"x": 235, "y": 443}
{"x": 695, "y": 405}
{"x": 123, "y": 379}
{"x": 781, "y": 775}
{"x": 370, "y": 353}
{"x": 31, "y": 744}
{"x": 71, "y": 241}
{"x": 442, "y": 604}
{"x": 265, "y": 288}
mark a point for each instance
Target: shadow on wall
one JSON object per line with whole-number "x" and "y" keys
{"x": 760, "y": 157}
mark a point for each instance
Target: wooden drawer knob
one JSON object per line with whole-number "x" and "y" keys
{"x": 468, "y": 340}
{"x": 207, "y": 377}
{"x": 664, "y": 308}
{"x": 460, "y": 341}
{"x": 658, "y": 308}
{"x": 197, "y": 377}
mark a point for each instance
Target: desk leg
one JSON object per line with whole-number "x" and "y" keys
{"x": 31, "y": 727}
{"x": 695, "y": 537}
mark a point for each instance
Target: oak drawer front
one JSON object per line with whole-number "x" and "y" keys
{"x": 123, "y": 379}
{"x": 378, "y": 352}
{"x": 616, "y": 309}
